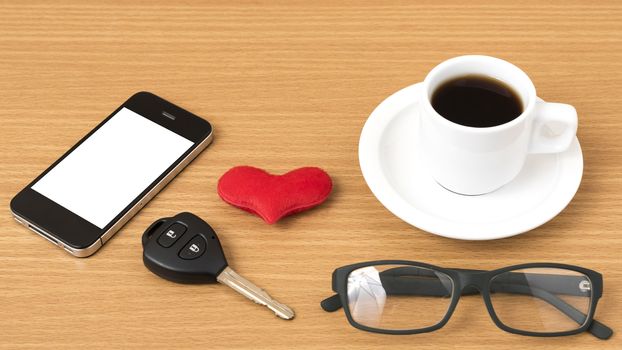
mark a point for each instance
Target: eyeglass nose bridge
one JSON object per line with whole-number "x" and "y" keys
{"x": 472, "y": 281}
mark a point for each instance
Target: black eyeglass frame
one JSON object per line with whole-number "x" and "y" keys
{"x": 463, "y": 279}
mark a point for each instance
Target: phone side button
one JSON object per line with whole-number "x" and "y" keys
{"x": 20, "y": 221}
{"x": 84, "y": 252}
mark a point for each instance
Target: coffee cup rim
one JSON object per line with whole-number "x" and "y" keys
{"x": 528, "y": 98}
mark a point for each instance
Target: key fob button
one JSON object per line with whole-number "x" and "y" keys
{"x": 194, "y": 248}
{"x": 171, "y": 235}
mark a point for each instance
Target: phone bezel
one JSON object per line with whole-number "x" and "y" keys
{"x": 76, "y": 233}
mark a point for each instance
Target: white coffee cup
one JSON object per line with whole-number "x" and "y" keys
{"x": 471, "y": 160}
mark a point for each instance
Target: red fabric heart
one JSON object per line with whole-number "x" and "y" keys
{"x": 272, "y": 197}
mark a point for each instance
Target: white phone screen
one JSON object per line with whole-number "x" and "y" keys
{"x": 112, "y": 167}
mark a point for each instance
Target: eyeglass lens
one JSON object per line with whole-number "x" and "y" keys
{"x": 541, "y": 300}
{"x": 398, "y": 297}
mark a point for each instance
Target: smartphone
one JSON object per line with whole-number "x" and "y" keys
{"x": 97, "y": 186}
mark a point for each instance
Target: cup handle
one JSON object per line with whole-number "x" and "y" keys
{"x": 558, "y": 114}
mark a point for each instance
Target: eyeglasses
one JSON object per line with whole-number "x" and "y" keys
{"x": 406, "y": 297}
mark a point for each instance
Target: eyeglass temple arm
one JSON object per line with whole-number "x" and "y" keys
{"x": 512, "y": 283}
{"x": 394, "y": 283}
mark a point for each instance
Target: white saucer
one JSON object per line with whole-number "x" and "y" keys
{"x": 391, "y": 165}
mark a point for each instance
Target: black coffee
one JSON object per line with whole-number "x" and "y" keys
{"x": 478, "y": 101}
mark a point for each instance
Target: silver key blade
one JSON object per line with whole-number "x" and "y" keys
{"x": 254, "y": 293}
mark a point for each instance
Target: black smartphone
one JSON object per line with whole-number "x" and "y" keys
{"x": 97, "y": 186}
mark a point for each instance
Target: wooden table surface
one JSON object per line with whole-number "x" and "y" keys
{"x": 285, "y": 85}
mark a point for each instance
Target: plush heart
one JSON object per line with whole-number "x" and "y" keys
{"x": 272, "y": 197}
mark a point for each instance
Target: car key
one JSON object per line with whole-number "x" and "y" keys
{"x": 185, "y": 249}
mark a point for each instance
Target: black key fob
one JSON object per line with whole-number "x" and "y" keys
{"x": 183, "y": 249}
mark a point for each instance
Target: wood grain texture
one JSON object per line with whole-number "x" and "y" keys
{"x": 286, "y": 85}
